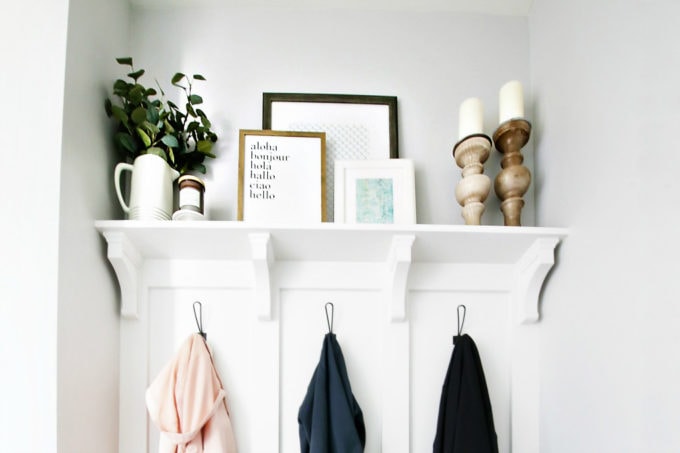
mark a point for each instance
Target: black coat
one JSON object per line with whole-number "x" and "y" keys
{"x": 330, "y": 419}
{"x": 465, "y": 423}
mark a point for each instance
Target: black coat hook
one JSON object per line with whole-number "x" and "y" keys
{"x": 199, "y": 319}
{"x": 329, "y": 320}
{"x": 461, "y": 322}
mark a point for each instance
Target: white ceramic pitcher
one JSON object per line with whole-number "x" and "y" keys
{"x": 150, "y": 188}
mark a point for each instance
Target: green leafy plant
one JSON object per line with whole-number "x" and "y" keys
{"x": 147, "y": 123}
{"x": 192, "y": 126}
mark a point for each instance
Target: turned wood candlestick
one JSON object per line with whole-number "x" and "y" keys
{"x": 513, "y": 180}
{"x": 470, "y": 154}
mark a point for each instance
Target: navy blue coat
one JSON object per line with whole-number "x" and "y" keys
{"x": 465, "y": 423}
{"x": 330, "y": 419}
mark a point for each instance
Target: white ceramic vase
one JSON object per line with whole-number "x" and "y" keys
{"x": 150, "y": 188}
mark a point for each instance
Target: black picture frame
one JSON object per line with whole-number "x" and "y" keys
{"x": 371, "y": 119}
{"x": 389, "y": 101}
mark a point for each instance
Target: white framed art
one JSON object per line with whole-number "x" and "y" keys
{"x": 375, "y": 191}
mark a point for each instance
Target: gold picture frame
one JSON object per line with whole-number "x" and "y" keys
{"x": 276, "y": 174}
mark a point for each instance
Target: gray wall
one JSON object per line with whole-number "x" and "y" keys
{"x": 430, "y": 61}
{"x": 605, "y": 79}
{"x": 88, "y": 314}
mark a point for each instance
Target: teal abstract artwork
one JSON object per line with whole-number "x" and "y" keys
{"x": 375, "y": 200}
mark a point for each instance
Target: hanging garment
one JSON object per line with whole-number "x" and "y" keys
{"x": 330, "y": 419}
{"x": 465, "y": 423}
{"x": 187, "y": 403}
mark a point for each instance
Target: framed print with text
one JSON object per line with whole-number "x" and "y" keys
{"x": 281, "y": 176}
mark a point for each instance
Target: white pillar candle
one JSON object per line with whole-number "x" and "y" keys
{"x": 511, "y": 103}
{"x": 471, "y": 118}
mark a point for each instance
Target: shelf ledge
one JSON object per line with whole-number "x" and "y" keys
{"x": 529, "y": 249}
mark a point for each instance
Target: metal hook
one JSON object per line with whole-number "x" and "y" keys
{"x": 460, "y": 322}
{"x": 199, "y": 319}
{"x": 329, "y": 320}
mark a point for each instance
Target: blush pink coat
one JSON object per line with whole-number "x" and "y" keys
{"x": 187, "y": 403}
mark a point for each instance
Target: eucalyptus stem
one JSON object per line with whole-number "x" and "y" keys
{"x": 149, "y": 122}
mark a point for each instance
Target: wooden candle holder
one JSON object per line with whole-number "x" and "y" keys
{"x": 470, "y": 154}
{"x": 514, "y": 179}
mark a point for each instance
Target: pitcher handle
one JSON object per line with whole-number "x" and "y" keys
{"x": 120, "y": 168}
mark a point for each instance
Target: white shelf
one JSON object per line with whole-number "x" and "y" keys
{"x": 328, "y": 241}
{"x": 133, "y": 242}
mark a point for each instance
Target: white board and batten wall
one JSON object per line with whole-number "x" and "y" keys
{"x": 395, "y": 292}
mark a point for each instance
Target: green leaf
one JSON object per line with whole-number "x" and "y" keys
{"x": 171, "y": 155}
{"x": 204, "y": 146}
{"x": 120, "y": 87}
{"x": 125, "y": 61}
{"x": 136, "y": 75}
{"x": 170, "y": 140}
{"x": 177, "y": 77}
{"x": 152, "y": 116}
{"x": 119, "y": 113}
{"x": 192, "y": 126}
{"x": 191, "y": 110}
{"x": 136, "y": 94}
{"x": 206, "y": 122}
{"x": 138, "y": 115}
{"x": 157, "y": 151}
{"x": 199, "y": 77}
{"x": 150, "y": 127}
{"x": 150, "y": 92}
{"x": 168, "y": 126}
{"x": 124, "y": 141}
{"x": 145, "y": 138}
{"x": 173, "y": 105}
{"x": 195, "y": 99}
{"x": 196, "y": 166}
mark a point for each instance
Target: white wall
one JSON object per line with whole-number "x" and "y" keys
{"x": 605, "y": 78}
{"x": 88, "y": 314}
{"x": 32, "y": 77}
{"x": 58, "y": 321}
{"x": 430, "y": 61}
